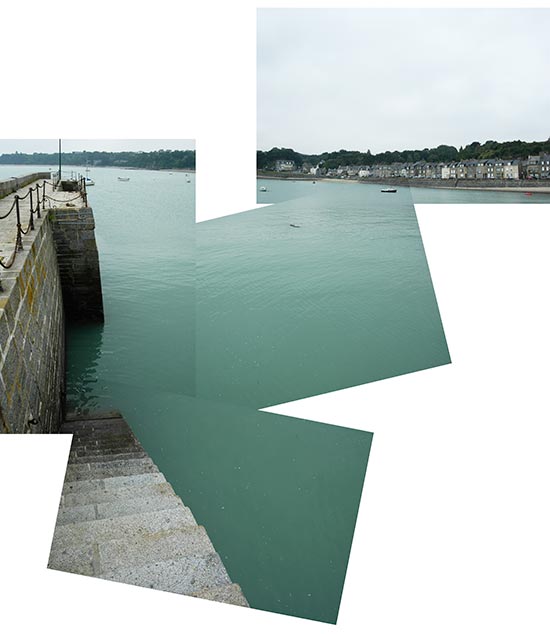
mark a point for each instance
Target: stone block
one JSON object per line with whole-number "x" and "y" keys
{"x": 142, "y": 526}
{"x": 119, "y": 495}
{"x": 113, "y": 484}
{"x": 73, "y": 558}
{"x": 69, "y": 515}
{"x": 97, "y": 449}
{"x": 106, "y": 457}
{"x": 231, "y": 594}
{"x": 138, "y": 551}
{"x": 138, "y": 505}
{"x": 93, "y": 471}
{"x": 187, "y": 575}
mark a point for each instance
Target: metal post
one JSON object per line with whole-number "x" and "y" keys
{"x": 59, "y": 175}
{"x": 31, "y": 221}
{"x": 18, "y": 240}
{"x": 37, "y": 200}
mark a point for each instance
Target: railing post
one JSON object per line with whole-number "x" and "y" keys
{"x": 31, "y": 221}
{"x": 18, "y": 240}
{"x": 37, "y": 200}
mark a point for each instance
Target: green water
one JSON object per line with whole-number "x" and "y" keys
{"x": 278, "y": 495}
{"x": 206, "y": 323}
{"x": 343, "y": 299}
{"x": 145, "y": 237}
{"x": 286, "y": 189}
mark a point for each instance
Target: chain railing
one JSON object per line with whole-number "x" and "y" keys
{"x": 37, "y": 204}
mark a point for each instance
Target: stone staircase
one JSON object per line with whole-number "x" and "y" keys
{"x": 120, "y": 520}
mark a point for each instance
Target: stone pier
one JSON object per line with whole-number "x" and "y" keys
{"x": 78, "y": 261}
{"x": 32, "y": 295}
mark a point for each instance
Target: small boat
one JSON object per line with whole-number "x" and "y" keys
{"x": 123, "y": 178}
{"x": 89, "y": 182}
{"x": 388, "y": 190}
{"x": 528, "y": 193}
{"x": 295, "y": 226}
{"x": 263, "y": 189}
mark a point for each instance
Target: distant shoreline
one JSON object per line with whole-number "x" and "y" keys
{"x": 521, "y": 187}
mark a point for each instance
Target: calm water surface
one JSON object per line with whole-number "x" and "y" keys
{"x": 343, "y": 298}
{"x": 205, "y": 324}
{"x": 278, "y": 496}
{"x": 285, "y": 189}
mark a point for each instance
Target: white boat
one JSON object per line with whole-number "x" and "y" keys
{"x": 89, "y": 182}
{"x": 389, "y": 190}
{"x": 263, "y": 189}
{"x": 123, "y": 178}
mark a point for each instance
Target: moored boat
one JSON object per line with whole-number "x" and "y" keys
{"x": 388, "y": 190}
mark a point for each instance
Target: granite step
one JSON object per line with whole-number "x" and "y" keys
{"x": 130, "y": 506}
{"x": 120, "y": 520}
{"x": 230, "y": 593}
{"x": 76, "y": 558}
{"x": 117, "y": 483}
{"x": 101, "y": 427}
{"x": 113, "y": 428}
{"x": 95, "y": 449}
{"x": 122, "y": 494}
{"x": 106, "y": 415}
{"x": 138, "y": 551}
{"x": 98, "y": 423}
{"x": 144, "y": 524}
{"x": 187, "y": 575}
{"x": 95, "y": 470}
{"x": 129, "y": 455}
{"x": 103, "y": 440}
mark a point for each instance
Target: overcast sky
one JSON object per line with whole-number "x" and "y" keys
{"x": 401, "y": 79}
{"x": 7, "y": 146}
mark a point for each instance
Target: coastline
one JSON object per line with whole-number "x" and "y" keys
{"x": 520, "y": 187}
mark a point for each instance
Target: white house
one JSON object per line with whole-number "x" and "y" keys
{"x": 284, "y": 165}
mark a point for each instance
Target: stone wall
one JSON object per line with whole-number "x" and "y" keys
{"x": 74, "y": 234}
{"x": 32, "y": 338}
{"x": 11, "y": 185}
{"x": 458, "y": 183}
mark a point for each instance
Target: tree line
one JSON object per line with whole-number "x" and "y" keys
{"x": 155, "y": 160}
{"x": 440, "y": 154}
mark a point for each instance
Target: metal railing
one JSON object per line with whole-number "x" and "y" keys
{"x": 37, "y": 205}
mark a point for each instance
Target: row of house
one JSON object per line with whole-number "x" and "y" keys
{"x": 534, "y": 167}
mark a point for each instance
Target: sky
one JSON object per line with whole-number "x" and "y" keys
{"x": 384, "y": 79}
{"x": 7, "y": 146}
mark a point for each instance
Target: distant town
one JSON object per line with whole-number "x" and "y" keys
{"x": 490, "y": 161}
{"x": 534, "y": 167}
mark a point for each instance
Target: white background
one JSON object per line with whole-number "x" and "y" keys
{"x": 453, "y": 529}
